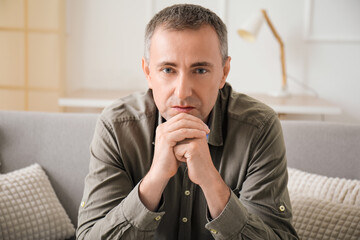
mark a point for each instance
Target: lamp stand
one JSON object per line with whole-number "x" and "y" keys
{"x": 284, "y": 91}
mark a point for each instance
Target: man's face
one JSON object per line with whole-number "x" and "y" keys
{"x": 185, "y": 71}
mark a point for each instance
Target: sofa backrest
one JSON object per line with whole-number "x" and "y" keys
{"x": 60, "y": 144}
{"x": 326, "y": 148}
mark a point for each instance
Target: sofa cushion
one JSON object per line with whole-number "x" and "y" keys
{"x": 29, "y": 207}
{"x": 315, "y": 218}
{"x": 338, "y": 190}
{"x": 324, "y": 207}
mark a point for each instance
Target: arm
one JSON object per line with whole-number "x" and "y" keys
{"x": 165, "y": 164}
{"x": 111, "y": 207}
{"x": 263, "y": 210}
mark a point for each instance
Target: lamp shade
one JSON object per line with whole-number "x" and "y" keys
{"x": 251, "y": 27}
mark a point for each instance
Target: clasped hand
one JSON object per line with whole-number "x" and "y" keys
{"x": 183, "y": 139}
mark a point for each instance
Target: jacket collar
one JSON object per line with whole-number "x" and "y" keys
{"x": 215, "y": 123}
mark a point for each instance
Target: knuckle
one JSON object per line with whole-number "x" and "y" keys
{"x": 158, "y": 129}
{"x": 192, "y": 147}
{"x": 183, "y": 131}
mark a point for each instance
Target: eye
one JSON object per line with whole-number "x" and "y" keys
{"x": 167, "y": 70}
{"x": 201, "y": 71}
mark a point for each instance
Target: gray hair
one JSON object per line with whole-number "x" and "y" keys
{"x": 186, "y": 16}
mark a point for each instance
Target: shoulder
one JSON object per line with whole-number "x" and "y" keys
{"x": 135, "y": 107}
{"x": 247, "y": 110}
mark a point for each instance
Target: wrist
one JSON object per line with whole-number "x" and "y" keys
{"x": 151, "y": 189}
{"x": 214, "y": 184}
{"x": 153, "y": 178}
{"x": 217, "y": 194}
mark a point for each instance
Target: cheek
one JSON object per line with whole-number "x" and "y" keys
{"x": 160, "y": 96}
{"x": 209, "y": 89}
{"x": 209, "y": 94}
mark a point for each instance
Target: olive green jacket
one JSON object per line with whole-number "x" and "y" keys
{"x": 246, "y": 146}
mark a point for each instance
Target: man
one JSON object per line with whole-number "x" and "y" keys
{"x": 189, "y": 159}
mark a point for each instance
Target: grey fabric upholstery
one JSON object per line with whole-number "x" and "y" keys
{"x": 326, "y": 148}
{"x": 60, "y": 144}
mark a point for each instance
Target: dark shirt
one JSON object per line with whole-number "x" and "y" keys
{"x": 246, "y": 146}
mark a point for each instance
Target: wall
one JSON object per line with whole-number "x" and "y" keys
{"x": 322, "y": 44}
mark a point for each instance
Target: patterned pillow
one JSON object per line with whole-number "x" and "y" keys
{"x": 29, "y": 208}
{"x": 318, "y": 219}
{"x": 338, "y": 190}
{"x": 324, "y": 207}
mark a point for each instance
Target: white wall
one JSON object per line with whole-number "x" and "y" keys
{"x": 322, "y": 44}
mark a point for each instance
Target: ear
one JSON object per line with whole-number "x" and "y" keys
{"x": 226, "y": 70}
{"x": 146, "y": 70}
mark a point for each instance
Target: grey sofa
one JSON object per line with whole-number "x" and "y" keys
{"x": 59, "y": 142}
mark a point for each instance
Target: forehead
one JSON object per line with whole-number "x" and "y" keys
{"x": 204, "y": 29}
{"x": 202, "y": 43}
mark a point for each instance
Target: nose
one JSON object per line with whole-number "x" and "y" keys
{"x": 183, "y": 87}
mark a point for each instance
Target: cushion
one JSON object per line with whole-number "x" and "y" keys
{"x": 324, "y": 207}
{"x": 29, "y": 207}
{"x": 315, "y": 218}
{"x": 338, "y": 190}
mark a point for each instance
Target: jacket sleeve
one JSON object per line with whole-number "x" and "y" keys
{"x": 111, "y": 207}
{"x": 262, "y": 209}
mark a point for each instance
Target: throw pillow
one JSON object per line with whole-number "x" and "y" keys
{"x": 338, "y": 190}
{"x": 29, "y": 208}
{"x": 315, "y": 218}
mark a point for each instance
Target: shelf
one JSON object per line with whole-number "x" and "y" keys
{"x": 298, "y": 104}
{"x": 91, "y": 98}
{"x": 294, "y": 104}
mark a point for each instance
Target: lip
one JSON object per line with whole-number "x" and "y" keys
{"x": 184, "y": 109}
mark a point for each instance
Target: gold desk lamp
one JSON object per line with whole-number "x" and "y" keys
{"x": 249, "y": 32}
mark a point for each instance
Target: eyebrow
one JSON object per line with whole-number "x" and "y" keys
{"x": 202, "y": 64}
{"x": 165, "y": 63}
{"x": 197, "y": 64}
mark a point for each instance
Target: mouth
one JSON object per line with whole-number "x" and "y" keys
{"x": 183, "y": 109}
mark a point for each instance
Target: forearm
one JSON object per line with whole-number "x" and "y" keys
{"x": 128, "y": 220}
{"x": 229, "y": 218}
{"x": 236, "y": 222}
{"x": 113, "y": 225}
{"x": 151, "y": 189}
{"x": 216, "y": 192}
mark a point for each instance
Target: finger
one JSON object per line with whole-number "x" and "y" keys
{"x": 186, "y": 141}
{"x": 185, "y": 121}
{"x": 184, "y": 133}
{"x": 179, "y": 152}
{"x": 185, "y": 116}
{"x": 180, "y": 158}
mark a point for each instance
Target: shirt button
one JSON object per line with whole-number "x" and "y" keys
{"x": 82, "y": 204}
{"x": 282, "y": 208}
{"x": 157, "y": 218}
{"x": 184, "y": 219}
{"x": 187, "y": 192}
{"x": 213, "y": 231}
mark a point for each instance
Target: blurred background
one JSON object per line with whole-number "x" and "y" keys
{"x": 79, "y": 55}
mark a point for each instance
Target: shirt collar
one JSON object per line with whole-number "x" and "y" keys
{"x": 215, "y": 137}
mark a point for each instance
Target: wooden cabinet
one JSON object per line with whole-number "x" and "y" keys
{"x": 32, "y": 56}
